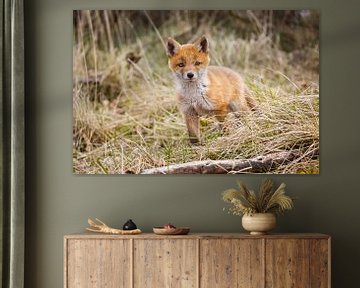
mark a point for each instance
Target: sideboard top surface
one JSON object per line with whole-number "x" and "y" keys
{"x": 86, "y": 235}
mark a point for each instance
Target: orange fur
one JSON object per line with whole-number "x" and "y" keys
{"x": 204, "y": 89}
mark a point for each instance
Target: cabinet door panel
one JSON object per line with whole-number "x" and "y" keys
{"x": 319, "y": 263}
{"x": 287, "y": 263}
{"x": 231, "y": 263}
{"x": 98, "y": 264}
{"x": 165, "y": 263}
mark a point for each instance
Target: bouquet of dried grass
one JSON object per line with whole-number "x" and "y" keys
{"x": 246, "y": 202}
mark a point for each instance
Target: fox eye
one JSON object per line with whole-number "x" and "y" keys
{"x": 181, "y": 65}
{"x": 197, "y": 63}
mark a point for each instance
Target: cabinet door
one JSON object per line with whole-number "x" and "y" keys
{"x": 287, "y": 263}
{"x": 320, "y": 263}
{"x": 231, "y": 263}
{"x": 165, "y": 263}
{"x": 98, "y": 263}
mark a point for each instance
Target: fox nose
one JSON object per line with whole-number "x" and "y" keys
{"x": 190, "y": 75}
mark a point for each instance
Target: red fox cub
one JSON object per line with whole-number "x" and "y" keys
{"x": 203, "y": 89}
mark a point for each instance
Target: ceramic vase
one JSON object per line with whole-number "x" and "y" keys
{"x": 259, "y": 223}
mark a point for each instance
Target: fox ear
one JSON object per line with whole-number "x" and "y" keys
{"x": 202, "y": 44}
{"x": 172, "y": 47}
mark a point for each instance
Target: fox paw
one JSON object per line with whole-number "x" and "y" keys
{"x": 194, "y": 141}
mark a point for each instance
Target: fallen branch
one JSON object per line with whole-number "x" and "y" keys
{"x": 101, "y": 227}
{"x": 260, "y": 164}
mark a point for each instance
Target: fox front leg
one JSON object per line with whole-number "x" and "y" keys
{"x": 193, "y": 126}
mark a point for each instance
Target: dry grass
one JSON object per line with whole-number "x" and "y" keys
{"x": 125, "y": 115}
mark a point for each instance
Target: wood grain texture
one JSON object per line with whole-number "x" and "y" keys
{"x": 98, "y": 264}
{"x": 165, "y": 263}
{"x": 287, "y": 263}
{"x": 231, "y": 263}
{"x": 197, "y": 260}
{"x": 88, "y": 235}
{"x": 319, "y": 263}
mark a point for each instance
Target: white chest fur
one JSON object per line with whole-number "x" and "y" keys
{"x": 192, "y": 96}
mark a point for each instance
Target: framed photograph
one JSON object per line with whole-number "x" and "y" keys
{"x": 195, "y": 92}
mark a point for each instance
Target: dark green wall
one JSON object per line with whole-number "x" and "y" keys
{"x": 59, "y": 202}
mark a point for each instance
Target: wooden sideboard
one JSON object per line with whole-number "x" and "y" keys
{"x": 197, "y": 260}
